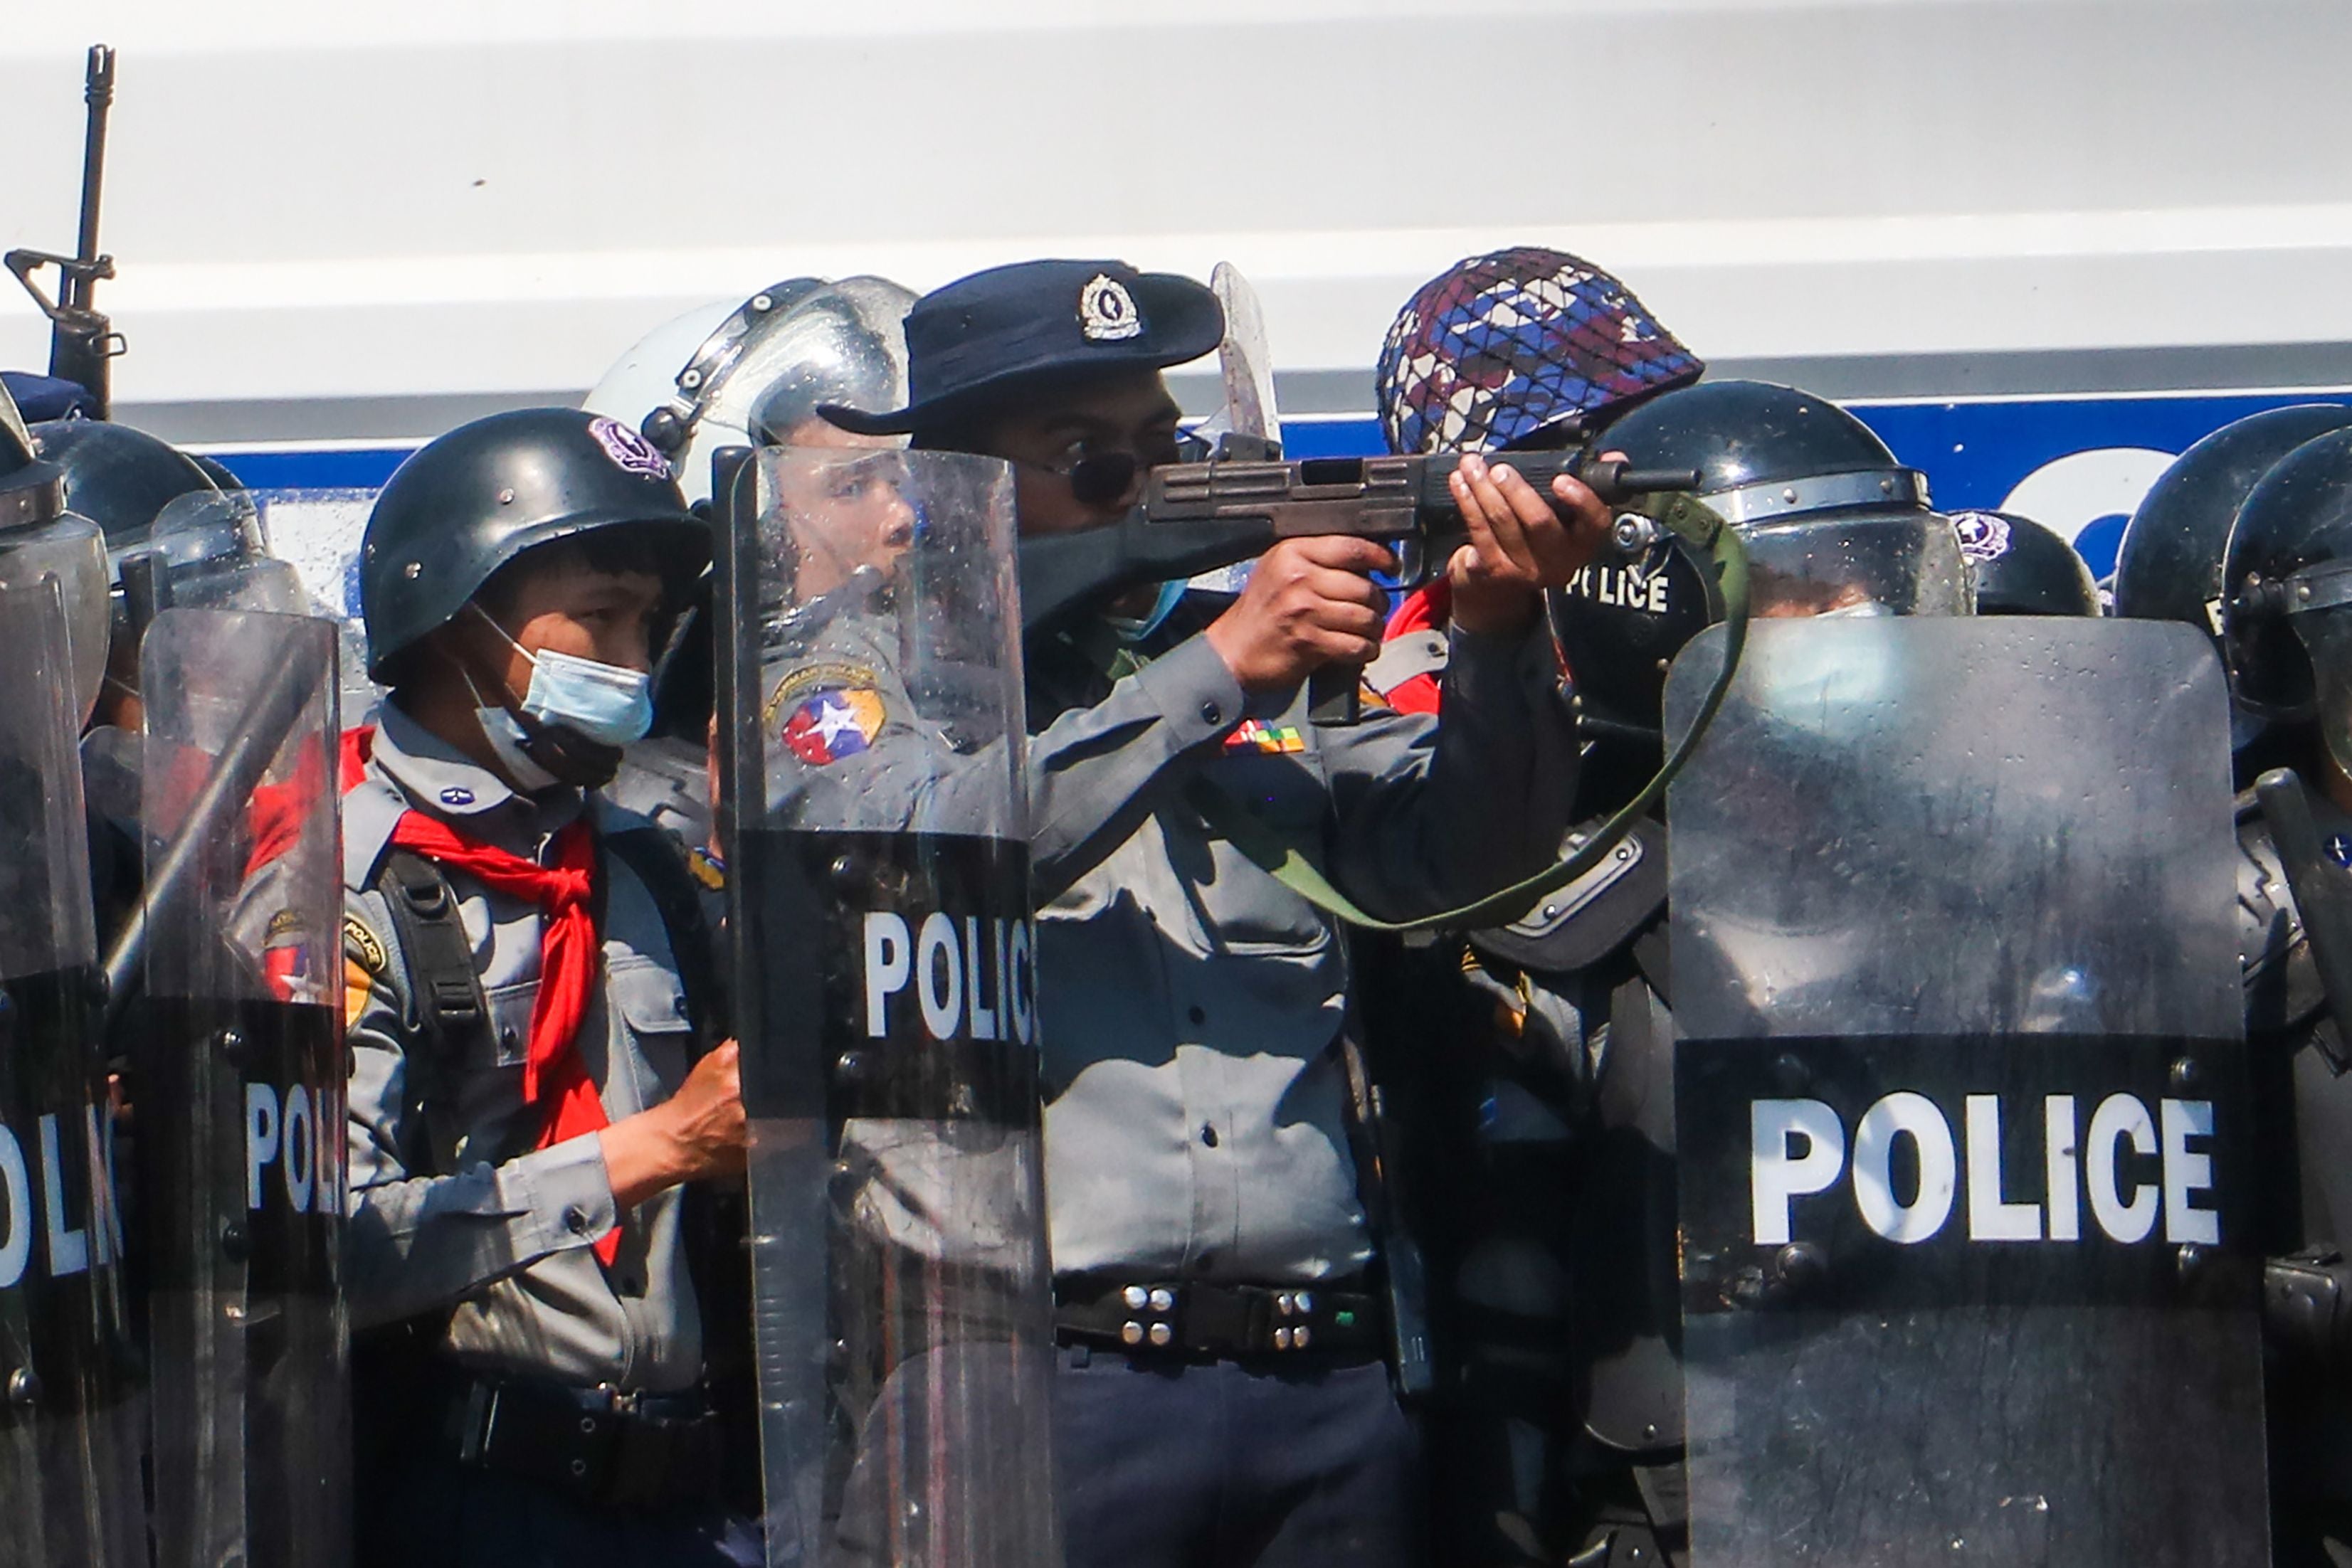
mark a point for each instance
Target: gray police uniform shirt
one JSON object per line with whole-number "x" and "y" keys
{"x": 506, "y": 1237}
{"x": 1189, "y": 1004}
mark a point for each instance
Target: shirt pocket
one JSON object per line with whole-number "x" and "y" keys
{"x": 651, "y": 1003}
{"x": 1248, "y": 911}
{"x": 510, "y": 1031}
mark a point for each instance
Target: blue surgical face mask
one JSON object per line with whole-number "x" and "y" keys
{"x": 1135, "y": 629}
{"x": 598, "y": 702}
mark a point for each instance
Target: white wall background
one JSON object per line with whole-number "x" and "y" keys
{"x": 386, "y": 208}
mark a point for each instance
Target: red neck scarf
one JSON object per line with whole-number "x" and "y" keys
{"x": 553, "y": 1073}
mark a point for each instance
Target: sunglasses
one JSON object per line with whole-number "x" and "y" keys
{"x": 1104, "y": 478}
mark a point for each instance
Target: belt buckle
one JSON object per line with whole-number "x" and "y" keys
{"x": 1293, "y": 1314}
{"x": 1155, "y": 1312}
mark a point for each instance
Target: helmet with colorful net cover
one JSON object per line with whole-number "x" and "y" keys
{"x": 1495, "y": 349}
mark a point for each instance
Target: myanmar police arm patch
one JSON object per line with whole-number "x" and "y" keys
{"x": 833, "y": 725}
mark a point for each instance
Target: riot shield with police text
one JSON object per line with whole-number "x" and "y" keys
{"x": 238, "y": 1078}
{"x": 1968, "y": 1270}
{"x": 873, "y": 824}
{"x": 69, "y": 1489}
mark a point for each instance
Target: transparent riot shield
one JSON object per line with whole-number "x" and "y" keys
{"x": 238, "y": 1078}
{"x": 317, "y": 533}
{"x": 873, "y": 823}
{"x": 1968, "y": 1268}
{"x": 69, "y": 1487}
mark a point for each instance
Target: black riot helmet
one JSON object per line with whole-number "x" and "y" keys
{"x": 1833, "y": 523}
{"x": 120, "y": 477}
{"x": 2168, "y": 565}
{"x": 2024, "y": 569}
{"x": 471, "y": 501}
{"x": 2287, "y": 593}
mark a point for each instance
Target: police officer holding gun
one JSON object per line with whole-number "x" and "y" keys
{"x": 1221, "y": 1395}
{"x": 2285, "y": 627}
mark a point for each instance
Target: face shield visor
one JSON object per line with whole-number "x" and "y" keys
{"x": 756, "y": 381}
{"x": 211, "y": 554}
{"x": 1886, "y": 563}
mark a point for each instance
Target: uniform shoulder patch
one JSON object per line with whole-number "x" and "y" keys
{"x": 833, "y": 725}
{"x": 363, "y": 946}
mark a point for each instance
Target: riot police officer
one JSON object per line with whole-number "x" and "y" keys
{"x": 1501, "y": 352}
{"x": 2169, "y": 566}
{"x": 751, "y": 376}
{"x": 1221, "y": 1396}
{"x": 2284, "y": 630}
{"x": 1579, "y": 989}
{"x": 530, "y": 1089}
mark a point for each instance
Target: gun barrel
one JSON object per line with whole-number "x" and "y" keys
{"x": 1657, "y": 481}
{"x": 98, "y": 92}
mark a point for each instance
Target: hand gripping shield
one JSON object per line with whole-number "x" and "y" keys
{"x": 70, "y": 1485}
{"x": 1968, "y": 1268}
{"x": 872, "y": 818}
{"x": 239, "y": 1050}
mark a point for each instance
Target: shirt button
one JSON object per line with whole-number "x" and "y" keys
{"x": 575, "y": 1220}
{"x": 1197, "y": 1015}
{"x": 1212, "y": 714}
{"x": 1208, "y": 1135}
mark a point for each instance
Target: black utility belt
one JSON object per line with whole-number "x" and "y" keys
{"x": 603, "y": 1447}
{"x": 1222, "y": 1322}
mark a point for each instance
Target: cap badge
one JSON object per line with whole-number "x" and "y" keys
{"x": 630, "y": 452}
{"x": 1107, "y": 311}
{"x": 1983, "y": 536}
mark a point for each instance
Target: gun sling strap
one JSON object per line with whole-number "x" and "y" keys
{"x": 1273, "y": 852}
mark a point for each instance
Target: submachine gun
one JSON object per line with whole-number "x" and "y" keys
{"x": 1198, "y": 516}
{"x": 82, "y": 339}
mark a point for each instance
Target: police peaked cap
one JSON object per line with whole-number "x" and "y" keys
{"x": 980, "y": 334}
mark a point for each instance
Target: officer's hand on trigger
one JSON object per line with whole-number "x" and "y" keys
{"x": 1521, "y": 543}
{"x": 1309, "y": 603}
{"x": 694, "y": 1135}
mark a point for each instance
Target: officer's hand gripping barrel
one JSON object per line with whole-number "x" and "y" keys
{"x": 872, "y": 819}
